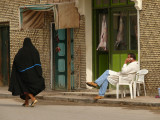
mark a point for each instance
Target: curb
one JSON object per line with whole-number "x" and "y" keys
{"x": 101, "y": 101}
{"x": 67, "y": 97}
{"x": 7, "y": 96}
{"x": 129, "y": 103}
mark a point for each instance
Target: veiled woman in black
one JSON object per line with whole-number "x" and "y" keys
{"x": 26, "y": 77}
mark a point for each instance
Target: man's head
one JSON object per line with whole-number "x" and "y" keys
{"x": 132, "y": 57}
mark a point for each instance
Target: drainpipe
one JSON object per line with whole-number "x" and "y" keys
{"x": 138, "y": 6}
{"x": 51, "y": 60}
{"x": 138, "y": 32}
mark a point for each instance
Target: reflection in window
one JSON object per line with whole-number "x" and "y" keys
{"x": 133, "y": 30}
{"x": 120, "y": 30}
{"x": 102, "y": 46}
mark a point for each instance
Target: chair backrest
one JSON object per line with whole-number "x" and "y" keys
{"x": 140, "y": 75}
{"x": 128, "y": 78}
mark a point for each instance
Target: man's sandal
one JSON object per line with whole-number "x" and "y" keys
{"x": 92, "y": 84}
{"x": 98, "y": 97}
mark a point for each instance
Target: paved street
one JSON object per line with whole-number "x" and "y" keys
{"x": 11, "y": 109}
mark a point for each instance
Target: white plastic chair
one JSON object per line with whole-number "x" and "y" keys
{"x": 125, "y": 80}
{"x": 140, "y": 80}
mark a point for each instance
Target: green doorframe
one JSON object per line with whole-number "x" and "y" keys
{"x": 109, "y": 8}
{"x": 99, "y": 64}
{"x": 5, "y": 54}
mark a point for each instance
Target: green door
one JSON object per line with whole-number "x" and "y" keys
{"x": 101, "y": 43}
{"x": 4, "y": 55}
{"x": 123, "y": 36}
{"x": 60, "y": 59}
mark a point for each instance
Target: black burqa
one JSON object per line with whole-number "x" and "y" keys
{"x": 26, "y": 76}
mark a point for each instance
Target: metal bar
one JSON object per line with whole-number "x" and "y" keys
{"x": 138, "y": 30}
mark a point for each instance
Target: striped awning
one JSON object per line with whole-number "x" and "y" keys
{"x": 65, "y": 16}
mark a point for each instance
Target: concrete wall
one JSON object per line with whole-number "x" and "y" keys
{"x": 150, "y": 43}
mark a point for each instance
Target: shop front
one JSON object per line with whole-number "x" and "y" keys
{"x": 61, "y": 38}
{"x": 114, "y": 34}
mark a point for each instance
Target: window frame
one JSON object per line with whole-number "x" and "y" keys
{"x": 110, "y": 4}
{"x": 112, "y": 48}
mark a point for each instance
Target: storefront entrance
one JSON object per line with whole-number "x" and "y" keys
{"x": 114, "y": 34}
{"x": 4, "y": 55}
{"x": 59, "y": 52}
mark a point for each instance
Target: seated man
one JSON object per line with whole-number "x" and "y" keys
{"x": 130, "y": 66}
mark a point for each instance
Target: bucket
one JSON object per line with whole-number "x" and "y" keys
{"x": 159, "y": 92}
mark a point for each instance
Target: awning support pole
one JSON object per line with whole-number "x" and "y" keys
{"x": 69, "y": 59}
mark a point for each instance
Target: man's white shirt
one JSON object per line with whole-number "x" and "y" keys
{"x": 126, "y": 70}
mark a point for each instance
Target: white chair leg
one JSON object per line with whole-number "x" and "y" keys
{"x": 134, "y": 89}
{"x": 117, "y": 91}
{"x": 121, "y": 93}
{"x": 144, "y": 89}
{"x": 131, "y": 92}
{"x": 138, "y": 89}
{"x": 124, "y": 93}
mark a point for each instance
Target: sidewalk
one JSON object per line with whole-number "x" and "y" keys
{"x": 87, "y": 97}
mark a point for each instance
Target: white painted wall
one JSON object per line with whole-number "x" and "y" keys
{"x": 88, "y": 28}
{"x": 85, "y": 8}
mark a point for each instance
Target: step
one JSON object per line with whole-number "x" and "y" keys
{"x": 105, "y": 101}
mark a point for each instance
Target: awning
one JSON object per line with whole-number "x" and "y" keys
{"x": 65, "y": 16}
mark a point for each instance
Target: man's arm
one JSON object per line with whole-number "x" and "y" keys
{"x": 126, "y": 69}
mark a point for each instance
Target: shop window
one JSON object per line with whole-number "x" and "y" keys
{"x": 120, "y": 30}
{"x": 133, "y": 30}
{"x": 102, "y": 36}
{"x": 124, "y": 34}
